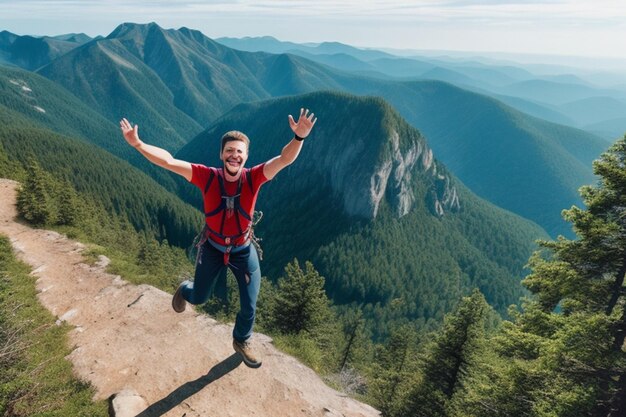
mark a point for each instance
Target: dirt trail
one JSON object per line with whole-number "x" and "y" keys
{"x": 128, "y": 340}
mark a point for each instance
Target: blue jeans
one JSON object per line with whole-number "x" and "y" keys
{"x": 244, "y": 263}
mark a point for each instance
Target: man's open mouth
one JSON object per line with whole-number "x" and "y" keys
{"x": 233, "y": 163}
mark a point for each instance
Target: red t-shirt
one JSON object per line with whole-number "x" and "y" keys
{"x": 213, "y": 198}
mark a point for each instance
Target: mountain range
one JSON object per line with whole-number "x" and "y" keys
{"x": 388, "y": 197}
{"x": 174, "y": 82}
{"x": 31, "y": 52}
{"x": 534, "y": 89}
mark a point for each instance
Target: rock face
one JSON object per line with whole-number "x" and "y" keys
{"x": 395, "y": 174}
{"x": 149, "y": 361}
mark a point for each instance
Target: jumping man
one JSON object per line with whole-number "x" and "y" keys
{"x": 230, "y": 193}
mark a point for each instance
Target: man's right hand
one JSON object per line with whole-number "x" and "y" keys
{"x": 130, "y": 133}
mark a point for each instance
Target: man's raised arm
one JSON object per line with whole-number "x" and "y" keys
{"x": 290, "y": 152}
{"x": 154, "y": 154}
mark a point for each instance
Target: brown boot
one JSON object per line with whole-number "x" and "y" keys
{"x": 178, "y": 302}
{"x": 245, "y": 350}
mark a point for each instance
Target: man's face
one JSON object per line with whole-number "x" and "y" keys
{"x": 234, "y": 156}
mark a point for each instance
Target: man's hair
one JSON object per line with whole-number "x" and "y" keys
{"x": 235, "y": 135}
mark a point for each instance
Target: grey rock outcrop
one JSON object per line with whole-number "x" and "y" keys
{"x": 396, "y": 174}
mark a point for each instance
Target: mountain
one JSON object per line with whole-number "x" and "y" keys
{"x": 609, "y": 129}
{"x": 44, "y": 104}
{"x": 117, "y": 186}
{"x": 489, "y": 75}
{"x": 31, "y": 52}
{"x": 447, "y": 75}
{"x": 523, "y": 164}
{"x": 273, "y": 45}
{"x": 79, "y": 38}
{"x": 556, "y": 92}
{"x": 262, "y": 43}
{"x": 114, "y": 82}
{"x": 173, "y": 81}
{"x": 593, "y": 110}
{"x": 388, "y": 225}
{"x": 541, "y": 111}
{"x": 47, "y": 104}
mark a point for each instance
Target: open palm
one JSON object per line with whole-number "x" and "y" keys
{"x": 305, "y": 123}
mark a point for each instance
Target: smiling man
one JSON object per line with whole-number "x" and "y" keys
{"x": 230, "y": 193}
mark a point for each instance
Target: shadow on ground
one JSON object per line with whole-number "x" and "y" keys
{"x": 190, "y": 388}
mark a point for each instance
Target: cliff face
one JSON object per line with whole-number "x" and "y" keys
{"x": 395, "y": 176}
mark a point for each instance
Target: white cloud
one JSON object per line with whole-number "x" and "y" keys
{"x": 569, "y": 26}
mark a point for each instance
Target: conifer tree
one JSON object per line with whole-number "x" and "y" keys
{"x": 68, "y": 204}
{"x": 572, "y": 332}
{"x": 355, "y": 340}
{"x": 148, "y": 255}
{"x": 448, "y": 360}
{"x": 301, "y": 303}
{"x": 392, "y": 371}
{"x": 34, "y": 202}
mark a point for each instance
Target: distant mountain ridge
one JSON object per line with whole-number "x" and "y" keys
{"x": 538, "y": 95}
{"x": 30, "y": 52}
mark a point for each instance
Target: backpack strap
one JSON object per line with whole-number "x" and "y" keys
{"x": 209, "y": 181}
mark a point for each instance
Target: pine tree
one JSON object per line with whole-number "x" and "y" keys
{"x": 353, "y": 329}
{"x": 148, "y": 256}
{"x": 301, "y": 303}
{"x": 69, "y": 205}
{"x": 34, "y": 201}
{"x": 449, "y": 360}
{"x": 572, "y": 332}
{"x": 392, "y": 371}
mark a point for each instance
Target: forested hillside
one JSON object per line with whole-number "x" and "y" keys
{"x": 523, "y": 164}
{"x": 45, "y": 104}
{"x": 118, "y": 187}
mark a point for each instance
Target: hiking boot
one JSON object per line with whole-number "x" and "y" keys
{"x": 245, "y": 350}
{"x": 178, "y": 302}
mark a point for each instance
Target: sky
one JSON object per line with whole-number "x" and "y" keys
{"x": 556, "y": 27}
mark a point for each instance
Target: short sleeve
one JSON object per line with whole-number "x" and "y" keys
{"x": 258, "y": 177}
{"x": 200, "y": 175}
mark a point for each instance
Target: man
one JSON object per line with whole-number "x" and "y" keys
{"x": 230, "y": 194}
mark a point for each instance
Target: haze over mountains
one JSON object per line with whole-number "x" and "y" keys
{"x": 530, "y": 88}
{"x": 387, "y": 198}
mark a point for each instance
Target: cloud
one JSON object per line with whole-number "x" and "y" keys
{"x": 472, "y": 10}
{"x": 568, "y": 26}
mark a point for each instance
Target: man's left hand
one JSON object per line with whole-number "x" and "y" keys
{"x": 305, "y": 123}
